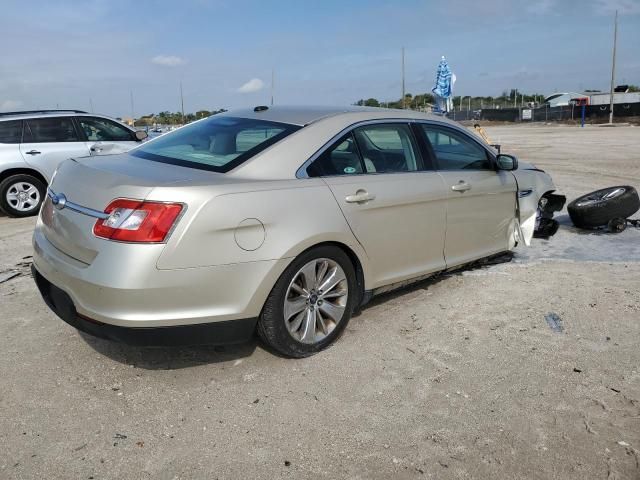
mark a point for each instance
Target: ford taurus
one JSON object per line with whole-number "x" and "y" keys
{"x": 276, "y": 220}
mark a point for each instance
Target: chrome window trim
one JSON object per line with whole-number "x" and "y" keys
{"x": 79, "y": 208}
{"x": 302, "y": 171}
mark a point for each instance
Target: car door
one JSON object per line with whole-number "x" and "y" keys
{"x": 48, "y": 141}
{"x": 394, "y": 204}
{"x": 481, "y": 205}
{"x": 105, "y": 136}
{"x": 10, "y": 138}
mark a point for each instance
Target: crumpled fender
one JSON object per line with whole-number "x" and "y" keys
{"x": 533, "y": 184}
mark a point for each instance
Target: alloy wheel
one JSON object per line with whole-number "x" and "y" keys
{"x": 603, "y": 195}
{"x": 316, "y": 300}
{"x": 23, "y": 196}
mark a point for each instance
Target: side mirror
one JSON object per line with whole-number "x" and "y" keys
{"x": 141, "y": 135}
{"x": 506, "y": 162}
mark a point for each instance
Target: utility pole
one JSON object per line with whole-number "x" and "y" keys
{"x": 182, "y": 103}
{"x": 403, "y": 94}
{"x": 469, "y": 103}
{"x": 515, "y": 98}
{"x": 272, "y": 86}
{"x": 133, "y": 116}
{"x": 613, "y": 66}
{"x": 91, "y": 105}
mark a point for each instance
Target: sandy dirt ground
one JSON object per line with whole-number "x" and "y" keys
{"x": 458, "y": 377}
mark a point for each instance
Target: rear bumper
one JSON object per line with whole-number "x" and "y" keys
{"x": 215, "y": 333}
{"x": 122, "y": 287}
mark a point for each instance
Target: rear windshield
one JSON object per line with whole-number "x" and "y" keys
{"x": 217, "y": 144}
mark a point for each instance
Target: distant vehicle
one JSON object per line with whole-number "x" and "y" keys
{"x": 33, "y": 143}
{"x": 283, "y": 220}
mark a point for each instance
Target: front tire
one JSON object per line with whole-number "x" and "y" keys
{"x": 310, "y": 304}
{"x": 597, "y": 208}
{"x": 21, "y": 195}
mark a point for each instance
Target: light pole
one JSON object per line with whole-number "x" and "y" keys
{"x": 182, "y": 103}
{"x": 613, "y": 66}
{"x": 133, "y": 116}
{"x": 403, "y": 93}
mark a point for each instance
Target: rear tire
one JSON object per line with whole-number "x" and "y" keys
{"x": 597, "y": 208}
{"x": 307, "y": 305}
{"x": 21, "y": 195}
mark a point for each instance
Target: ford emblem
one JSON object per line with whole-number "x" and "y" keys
{"x": 59, "y": 201}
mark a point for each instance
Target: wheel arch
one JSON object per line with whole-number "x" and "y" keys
{"x": 355, "y": 261}
{"x": 23, "y": 171}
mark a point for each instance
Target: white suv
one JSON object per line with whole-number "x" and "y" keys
{"x": 33, "y": 143}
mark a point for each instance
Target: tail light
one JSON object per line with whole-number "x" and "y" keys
{"x": 137, "y": 221}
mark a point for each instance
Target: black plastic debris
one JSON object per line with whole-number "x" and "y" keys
{"x": 554, "y": 322}
{"x": 6, "y": 276}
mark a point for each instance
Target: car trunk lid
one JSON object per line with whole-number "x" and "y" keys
{"x": 82, "y": 189}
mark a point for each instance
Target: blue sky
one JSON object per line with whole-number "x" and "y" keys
{"x": 68, "y": 53}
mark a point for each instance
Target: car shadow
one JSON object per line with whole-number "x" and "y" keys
{"x": 175, "y": 358}
{"x": 169, "y": 358}
{"x": 436, "y": 278}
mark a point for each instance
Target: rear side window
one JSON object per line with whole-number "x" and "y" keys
{"x": 378, "y": 148}
{"x": 456, "y": 151}
{"x": 387, "y": 148}
{"x": 11, "y": 131}
{"x": 102, "y": 130}
{"x": 340, "y": 159}
{"x": 217, "y": 143}
{"x": 48, "y": 130}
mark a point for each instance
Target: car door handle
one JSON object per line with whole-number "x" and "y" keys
{"x": 361, "y": 196}
{"x": 461, "y": 186}
{"x": 96, "y": 149}
{"x": 33, "y": 152}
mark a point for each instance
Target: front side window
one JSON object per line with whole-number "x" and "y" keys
{"x": 455, "y": 151}
{"x": 11, "y": 131}
{"x": 387, "y": 148}
{"x": 217, "y": 143}
{"x": 102, "y": 130}
{"x": 48, "y": 130}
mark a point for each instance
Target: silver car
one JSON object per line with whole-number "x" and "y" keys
{"x": 280, "y": 220}
{"x": 33, "y": 143}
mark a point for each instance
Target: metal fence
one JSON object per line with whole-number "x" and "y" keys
{"x": 547, "y": 114}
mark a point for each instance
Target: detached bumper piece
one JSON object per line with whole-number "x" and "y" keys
{"x": 546, "y": 226}
{"x": 216, "y": 333}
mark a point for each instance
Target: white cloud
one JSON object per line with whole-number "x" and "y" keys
{"x": 541, "y": 7}
{"x": 168, "y": 60}
{"x": 253, "y": 85}
{"x": 10, "y": 104}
